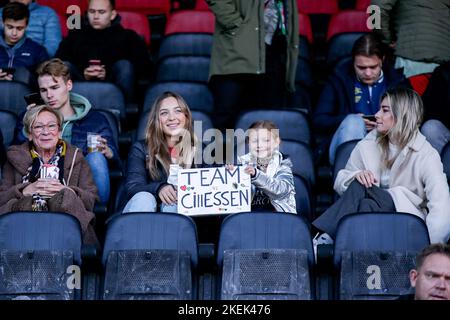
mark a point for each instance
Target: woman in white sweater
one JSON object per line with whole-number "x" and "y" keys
{"x": 394, "y": 168}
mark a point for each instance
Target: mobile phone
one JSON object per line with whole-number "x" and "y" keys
{"x": 8, "y": 70}
{"x": 34, "y": 98}
{"x": 369, "y": 117}
{"x": 95, "y": 62}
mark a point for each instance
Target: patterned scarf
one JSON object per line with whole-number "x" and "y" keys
{"x": 273, "y": 18}
{"x": 39, "y": 203}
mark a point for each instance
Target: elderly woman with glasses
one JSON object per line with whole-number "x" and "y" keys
{"x": 48, "y": 174}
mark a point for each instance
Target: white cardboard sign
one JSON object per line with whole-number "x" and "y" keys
{"x": 213, "y": 191}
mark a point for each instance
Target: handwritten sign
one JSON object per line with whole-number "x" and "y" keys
{"x": 213, "y": 191}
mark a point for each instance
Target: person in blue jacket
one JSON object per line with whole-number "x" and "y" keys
{"x": 353, "y": 91}
{"x": 19, "y": 55}
{"x": 55, "y": 86}
{"x": 44, "y": 26}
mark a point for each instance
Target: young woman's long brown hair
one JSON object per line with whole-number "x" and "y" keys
{"x": 155, "y": 139}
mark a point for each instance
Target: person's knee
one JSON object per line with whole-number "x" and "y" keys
{"x": 96, "y": 159}
{"x": 141, "y": 201}
{"x": 433, "y": 128}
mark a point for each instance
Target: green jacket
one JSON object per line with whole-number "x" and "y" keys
{"x": 420, "y": 28}
{"x": 239, "y": 38}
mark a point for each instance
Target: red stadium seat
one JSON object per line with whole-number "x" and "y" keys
{"x": 190, "y": 21}
{"x": 362, "y": 5}
{"x": 304, "y": 27}
{"x": 317, "y": 6}
{"x": 347, "y": 22}
{"x": 201, "y": 5}
{"x": 60, "y": 6}
{"x": 137, "y": 22}
{"x": 146, "y": 7}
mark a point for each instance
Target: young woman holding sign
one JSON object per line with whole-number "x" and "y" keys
{"x": 271, "y": 175}
{"x": 170, "y": 144}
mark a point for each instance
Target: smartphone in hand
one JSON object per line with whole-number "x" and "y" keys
{"x": 95, "y": 62}
{"x": 370, "y": 117}
{"x": 9, "y": 70}
{"x": 34, "y": 98}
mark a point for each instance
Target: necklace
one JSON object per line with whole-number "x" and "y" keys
{"x": 263, "y": 163}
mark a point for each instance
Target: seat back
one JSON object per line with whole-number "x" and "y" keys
{"x": 302, "y": 160}
{"x": 183, "y": 68}
{"x": 186, "y": 44}
{"x": 150, "y": 256}
{"x": 343, "y": 153}
{"x": 102, "y": 96}
{"x": 7, "y": 124}
{"x": 293, "y": 123}
{"x": 197, "y": 95}
{"x": 39, "y": 254}
{"x": 303, "y": 198}
{"x": 190, "y": 21}
{"x": 11, "y": 97}
{"x": 344, "y": 28}
{"x": 147, "y": 7}
{"x": 137, "y": 22}
{"x": 61, "y": 6}
{"x": 258, "y": 251}
{"x": 373, "y": 253}
{"x": 317, "y": 7}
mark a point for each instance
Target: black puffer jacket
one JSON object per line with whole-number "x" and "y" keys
{"x": 108, "y": 45}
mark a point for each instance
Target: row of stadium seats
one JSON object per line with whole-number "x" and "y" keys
{"x": 157, "y": 256}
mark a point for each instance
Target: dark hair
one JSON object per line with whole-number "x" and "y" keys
{"x": 111, "y": 2}
{"x": 368, "y": 45}
{"x": 55, "y": 68}
{"x": 16, "y": 11}
{"x": 436, "y": 248}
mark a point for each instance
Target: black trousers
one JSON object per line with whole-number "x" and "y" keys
{"x": 357, "y": 198}
{"x": 234, "y": 93}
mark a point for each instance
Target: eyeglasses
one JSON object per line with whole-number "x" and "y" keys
{"x": 51, "y": 127}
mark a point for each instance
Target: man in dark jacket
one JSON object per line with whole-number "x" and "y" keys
{"x": 55, "y": 86}
{"x": 352, "y": 93}
{"x": 104, "y": 51}
{"x": 18, "y": 53}
{"x": 436, "y": 101}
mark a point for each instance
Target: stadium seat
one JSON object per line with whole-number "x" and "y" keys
{"x": 302, "y": 160}
{"x": 190, "y": 21}
{"x": 196, "y": 116}
{"x": 186, "y": 44}
{"x": 344, "y": 28}
{"x": 264, "y": 256}
{"x": 103, "y": 96}
{"x": 7, "y": 124}
{"x": 445, "y": 158}
{"x": 11, "y": 97}
{"x": 38, "y": 253}
{"x": 183, "y": 68}
{"x": 362, "y": 5}
{"x": 373, "y": 253}
{"x": 303, "y": 198}
{"x": 343, "y": 153}
{"x": 293, "y": 123}
{"x": 197, "y": 95}
{"x": 146, "y": 7}
{"x": 138, "y": 22}
{"x": 60, "y": 6}
{"x": 317, "y": 6}
{"x": 150, "y": 257}
{"x": 306, "y": 36}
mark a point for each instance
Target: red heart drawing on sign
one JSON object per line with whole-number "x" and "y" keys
{"x": 183, "y": 188}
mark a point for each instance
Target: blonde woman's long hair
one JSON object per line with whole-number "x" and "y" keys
{"x": 156, "y": 143}
{"x": 407, "y": 109}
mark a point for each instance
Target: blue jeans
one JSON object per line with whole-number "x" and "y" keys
{"x": 436, "y": 133}
{"x": 351, "y": 128}
{"x": 124, "y": 78}
{"x": 141, "y": 202}
{"x": 169, "y": 208}
{"x": 99, "y": 167}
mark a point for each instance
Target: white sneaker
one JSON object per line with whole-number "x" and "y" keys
{"x": 323, "y": 238}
